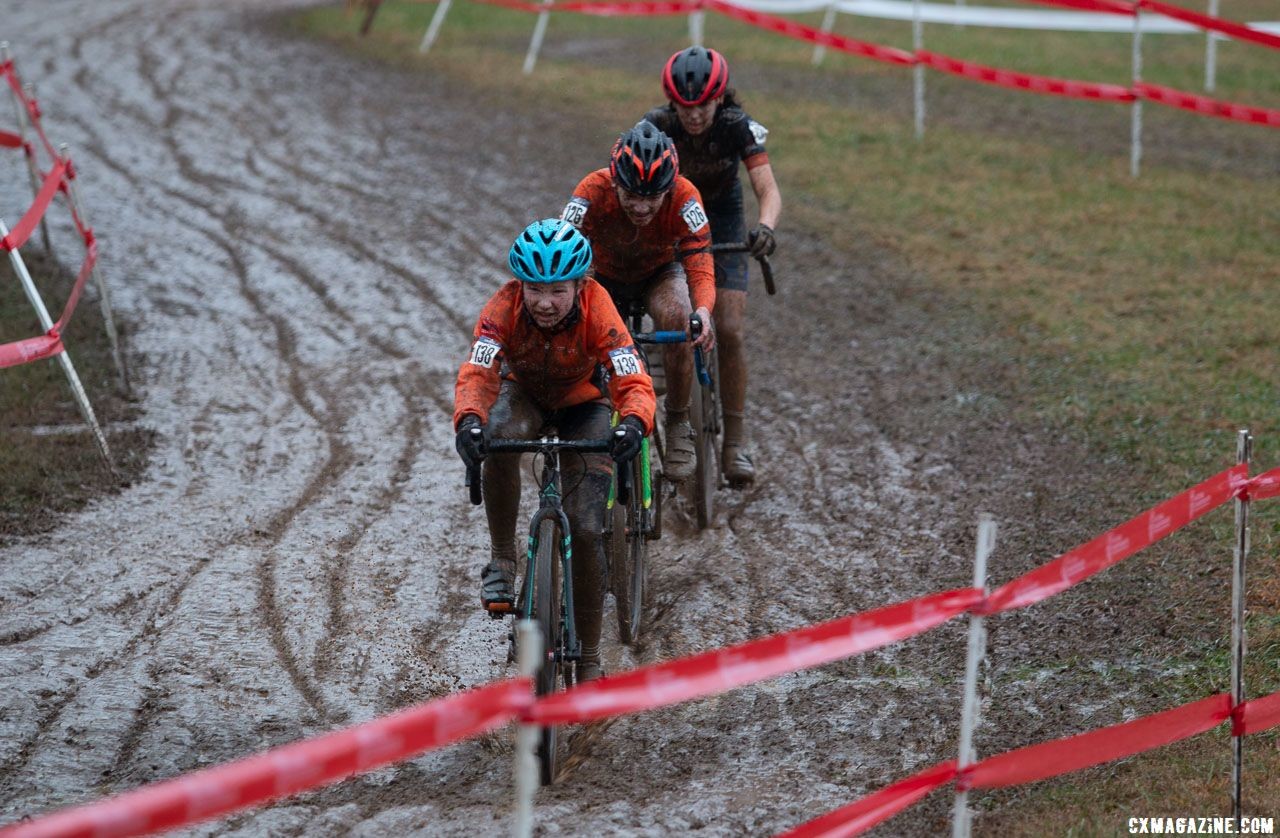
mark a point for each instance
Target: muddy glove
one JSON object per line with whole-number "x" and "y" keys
{"x": 470, "y": 440}
{"x": 762, "y": 241}
{"x": 626, "y": 439}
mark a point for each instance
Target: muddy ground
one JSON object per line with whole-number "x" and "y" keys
{"x": 303, "y": 241}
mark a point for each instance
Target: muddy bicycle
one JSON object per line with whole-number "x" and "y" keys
{"x": 546, "y": 591}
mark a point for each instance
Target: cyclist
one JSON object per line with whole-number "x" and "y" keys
{"x": 712, "y": 134}
{"x": 550, "y": 348}
{"x": 651, "y": 241}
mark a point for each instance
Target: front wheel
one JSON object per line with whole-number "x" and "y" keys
{"x": 547, "y": 609}
{"x": 706, "y": 474}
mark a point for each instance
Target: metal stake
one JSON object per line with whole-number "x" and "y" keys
{"x": 33, "y": 173}
{"x": 437, "y": 20}
{"x": 104, "y": 297}
{"x": 1211, "y": 51}
{"x": 529, "y": 654}
{"x": 697, "y": 27}
{"x": 1135, "y": 133}
{"x": 86, "y": 409}
{"x": 1244, "y": 451}
{"x": 961, "y": 820}
{"x": 828, "y": 23}
{"x": 917, "y": 43}
{"x": 535, "y": 43}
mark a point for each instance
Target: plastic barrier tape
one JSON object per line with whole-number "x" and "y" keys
{"x": 1257, "y": 715}
{"x": 1062, "y": 756}
{"x": 1207, "y": 106}
{"x": 28, "y": 350}
{"x": 791, "y": 29}
{"x": 1238, "y": 31}
{"x": 1023, "y": 81}
{"x": 20, "y": 233}
{"x": 1114, "y": 7}
{"x": 1266, "y": 485}
{"x": 290, "y": 769}
{"x": 723, "y": 669}
{"x": 8, "y": 140}
{"x": 876, "y": 808}
{"x": 1109, "y": 548}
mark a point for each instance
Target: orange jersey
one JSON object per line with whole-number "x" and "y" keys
{"x": 625, "y": 253}
{"x": 588, "y": 357}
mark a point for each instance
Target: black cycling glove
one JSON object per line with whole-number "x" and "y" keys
{"x": 470, "y": 444}
{"x": 627, "y": 437}
{"x": 762, "y": 241}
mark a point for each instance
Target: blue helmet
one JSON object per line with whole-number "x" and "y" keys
{"x": 548, "y": 251}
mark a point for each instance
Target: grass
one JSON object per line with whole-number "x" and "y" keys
{"x": 47, "y": 474}
{"x": 1138, "y": 311}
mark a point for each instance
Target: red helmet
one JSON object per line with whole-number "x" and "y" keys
{"x": 644, "y": 161}
{"x": 694, "y": 76}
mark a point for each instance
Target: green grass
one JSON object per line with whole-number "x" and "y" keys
{"x": 1140, "y": 312}
{"x": 45, "y": 474}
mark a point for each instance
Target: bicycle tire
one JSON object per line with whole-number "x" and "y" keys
{"x": 546, "y": 610}
{"x": 706, "y": 474}
{"x": 638, "y": 565}
{"x": 618, "y": 556}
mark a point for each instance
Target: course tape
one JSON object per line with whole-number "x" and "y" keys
{"x": 1024, "y": 81}
{"x": 1207, "y": 106}
{"x": 723, "y": 669}
{"x": 791, "y": 29}
{"x": 863, "y": 814}
{"x": 1115, "y": 7}
{"x": 1236, "y": 30}
{"x": 23, "y": 229}
{"x": 288, "y": 770}
{"x": 1265, "y": 485}
{"x": 1079, "y": 564}
{"x": 29, "y": 103}
{"x": 1048, "y": 759}
{"x": 8, "y": 140}
{"x": 30, "y": 349}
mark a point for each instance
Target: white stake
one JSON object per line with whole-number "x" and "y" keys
{"x": 1244, "y": 452}
{"x": 960, "y": 822}
{"x": 1211, "y": 51}
{"x": 529, "y": 654}
{"x": 77, "y": 389}
{"x": 433, "y": 30}
{"x": 1135, "y": 133}
{"x": 917, "y": 42}
{"x": 535, "y": 43}
{"x": 828, "y": 23}
{"x": 697, "y": 28}
{"x": 104, "y": 297}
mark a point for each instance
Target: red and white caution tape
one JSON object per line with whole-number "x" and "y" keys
{"x": 1209, "y": 107}
{"x": 1266, "y": 485}
{"x": 1239, "y": 31}
{"x": 791, "y": 29}
{"x": 1257, "y": 715}
{"x": 1024, "y": 81}
{"x": 288, "y": 770}
{"x": 723, "y": 669}
{"x": 863, "y": 814}
{"x": 1102, "y": 552}
{"x": 23, "y": 229}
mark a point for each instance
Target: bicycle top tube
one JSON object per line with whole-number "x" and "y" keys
{"x": 548, "y": 444}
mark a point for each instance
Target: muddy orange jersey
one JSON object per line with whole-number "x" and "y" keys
{"x": 625, "y": 253}
{"x": 588, "y": 356}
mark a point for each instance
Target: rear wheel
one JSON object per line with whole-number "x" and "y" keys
{"x": 547, "y": 608}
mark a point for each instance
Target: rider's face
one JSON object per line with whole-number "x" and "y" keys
{"x": 697, "y": 118}
{"x": 641, "y": 209}
{"x": 549, "y": 304}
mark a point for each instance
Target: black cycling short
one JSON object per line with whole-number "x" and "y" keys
{"x": 729, "y": 225}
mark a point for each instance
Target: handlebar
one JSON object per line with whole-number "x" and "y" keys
{"x": 766, "y": 267}
{"x": 544, "y": 445}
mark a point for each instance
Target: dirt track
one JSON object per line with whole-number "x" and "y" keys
{"x": 302, "y": 242}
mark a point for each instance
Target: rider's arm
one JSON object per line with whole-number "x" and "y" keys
{"x": 479, "y": 378}
{"x": 693, "y": 245}
{"x": 767, "y": 194}
{"x": 630, "y": 387}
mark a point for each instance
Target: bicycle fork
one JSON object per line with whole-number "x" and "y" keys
{"x": 571, "y": 649}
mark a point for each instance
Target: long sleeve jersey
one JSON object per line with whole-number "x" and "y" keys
{"x": 625, "y": 253}
{"x": 588, "y": 356}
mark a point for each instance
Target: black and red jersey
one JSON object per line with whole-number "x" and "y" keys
{"x": 710, "y": 160}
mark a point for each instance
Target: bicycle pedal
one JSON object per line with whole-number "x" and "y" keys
{"x": 498, "y": 610}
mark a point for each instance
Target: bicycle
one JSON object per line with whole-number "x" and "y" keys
{"x": 546, "y": 591}
{"x": 766, "y": 267}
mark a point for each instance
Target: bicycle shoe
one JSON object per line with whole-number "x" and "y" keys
{"x": 497, "y": 587}
{"x": 681, "y": 451}
{"x": 738, "y": 468}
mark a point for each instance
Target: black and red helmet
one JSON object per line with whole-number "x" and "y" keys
{"x": 644, "y": 161}
{"x": 695, "y": 76}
